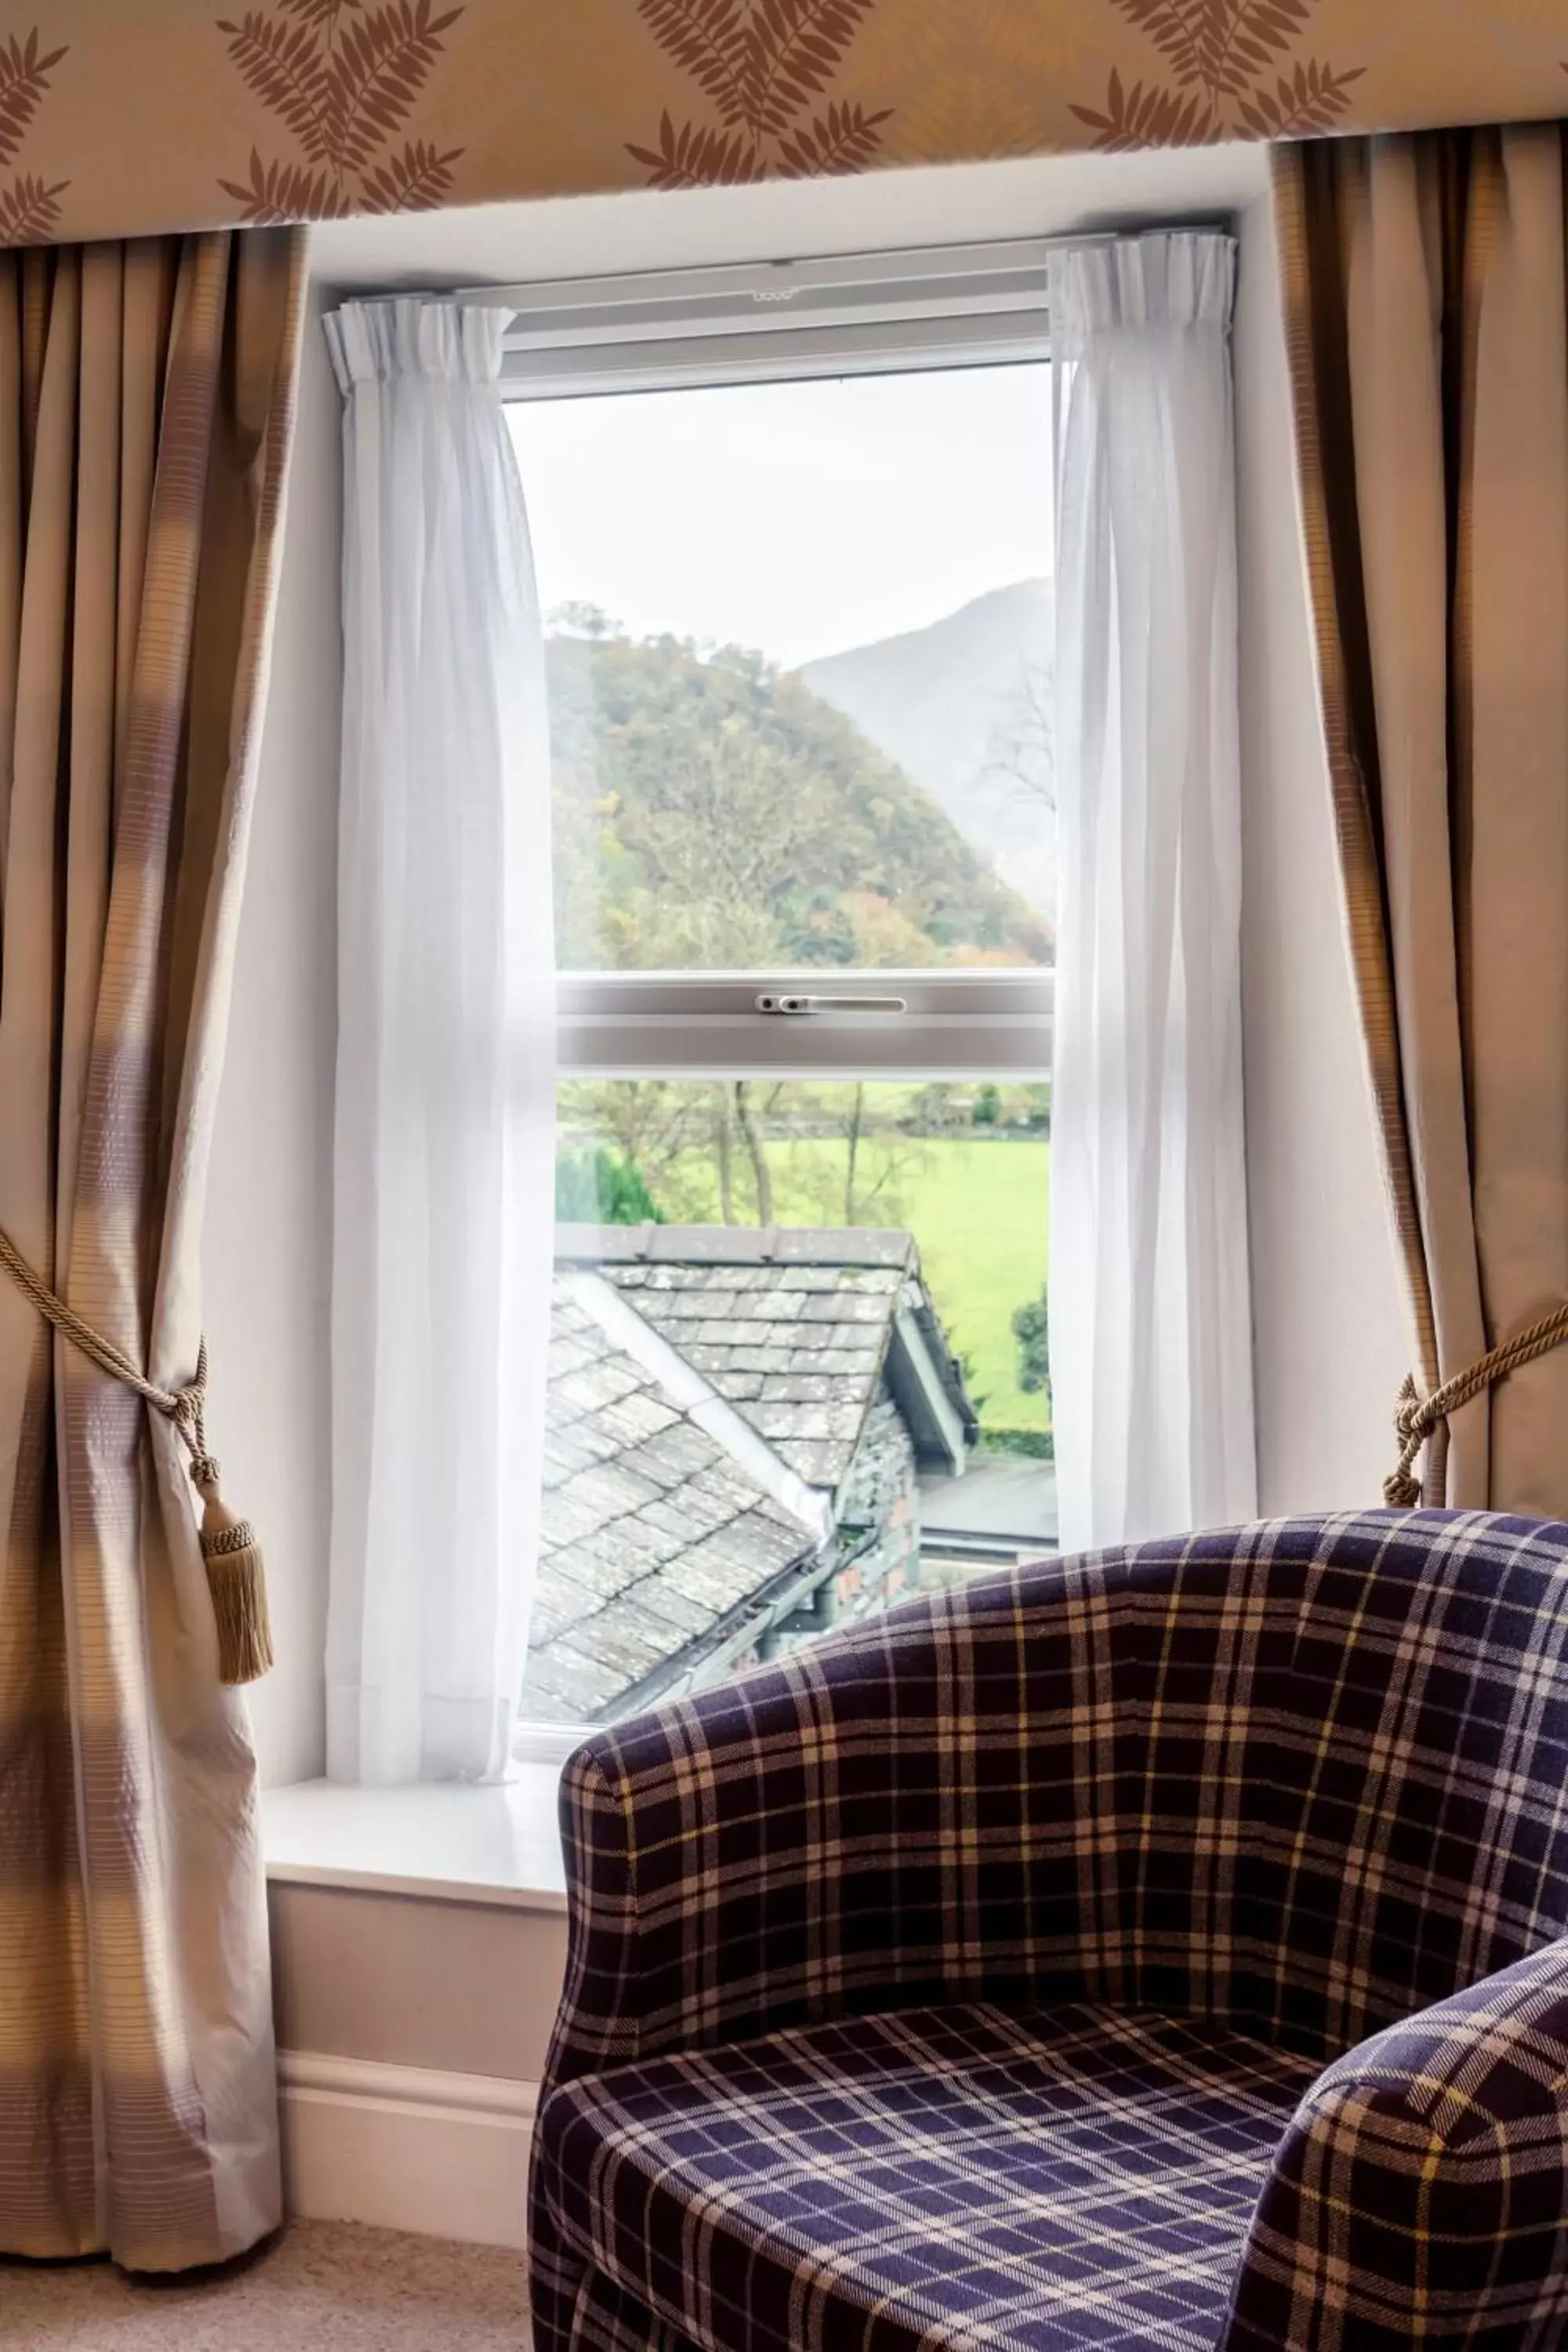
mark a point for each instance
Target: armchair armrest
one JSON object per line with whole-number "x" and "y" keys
{"x": 858, "y": 1825}
{"x": 1421, "y": 2192}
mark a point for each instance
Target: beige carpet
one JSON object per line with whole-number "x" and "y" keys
{"x": 323, "y": 2286}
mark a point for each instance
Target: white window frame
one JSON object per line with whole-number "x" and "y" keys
{"x": 874, "y": 1025}
{"x": 852, "y": 314}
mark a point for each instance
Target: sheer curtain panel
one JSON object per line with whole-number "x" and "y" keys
{"x": 1150, "y": 1338}
{"x": 444, "y": 1181}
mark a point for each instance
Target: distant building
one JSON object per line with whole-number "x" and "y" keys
{"x": 738, "y": 1420}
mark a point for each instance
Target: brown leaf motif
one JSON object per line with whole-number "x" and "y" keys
{"x": 321, "y": 13}
{"x": 764, "y": 66}
{"x": 793, "y": 52}
{"x": 342, "y": 77}
{"x": 413, "y": 182}
{"x": 705, "y": 38}
{"x": 1147, "y": 118}
{"x": 1312, "y": 99}
{"x": 30, "y": 210}
{"x": 1229, "y": 72}
{"x": 845, "y": 139}
{"x": 691, "y": 157}
{"x": 1238, "y": 44}
{"x": 29, "y": 206}
{"x": 276, "y": 192}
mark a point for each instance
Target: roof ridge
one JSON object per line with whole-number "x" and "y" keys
{"x": 658, "y": 1244}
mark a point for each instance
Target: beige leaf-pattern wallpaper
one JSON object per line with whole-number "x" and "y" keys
{"x": 342, "y": 79}
{"x": 116, "y": 120}
{"x": 29, "y": 206}
{"x": 766, "y": 70}
{"x": 1233, "y": 68}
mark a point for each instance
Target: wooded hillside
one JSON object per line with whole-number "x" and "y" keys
{"x": 712, "y": 812}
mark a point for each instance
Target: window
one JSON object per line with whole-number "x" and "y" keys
{"x": 793, "y": 544}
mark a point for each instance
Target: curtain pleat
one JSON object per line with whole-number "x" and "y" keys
{"x": 1426, "y": 312}
{"x": 145, "y": 399}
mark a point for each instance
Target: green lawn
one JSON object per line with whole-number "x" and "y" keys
{"x": 977, "y": 1207}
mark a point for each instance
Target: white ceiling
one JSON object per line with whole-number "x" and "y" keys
{"x": 575, "y": 236}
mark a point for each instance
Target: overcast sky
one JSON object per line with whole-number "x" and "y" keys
{"x": 800, "y": 518}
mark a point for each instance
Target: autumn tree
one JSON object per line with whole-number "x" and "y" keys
{"x": 712, "y": 813}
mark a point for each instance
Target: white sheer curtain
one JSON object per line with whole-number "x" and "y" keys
{"x": 1151, "y": 1327}
{"x": 445, "y": 1081}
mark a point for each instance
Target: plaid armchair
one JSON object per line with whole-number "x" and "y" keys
{"x": 1149, "y": 1950}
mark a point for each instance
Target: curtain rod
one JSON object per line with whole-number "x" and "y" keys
{"x": 520, "y": 293}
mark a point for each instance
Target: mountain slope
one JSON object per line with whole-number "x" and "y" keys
{"x": 710, "y": 812}
{"x": 960, "y": 708}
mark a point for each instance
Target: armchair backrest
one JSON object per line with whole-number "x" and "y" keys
{"x": 1329, "y": 1759}
{"x": 1307, "y": 1775}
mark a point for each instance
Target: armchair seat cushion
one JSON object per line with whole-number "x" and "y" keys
{"x": 967, "y": 2177}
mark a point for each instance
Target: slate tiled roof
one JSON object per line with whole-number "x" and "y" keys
{"x": 653, "y": 1533}
{"x": 709, "y": 1391}
{"x": 791, "y": 1326}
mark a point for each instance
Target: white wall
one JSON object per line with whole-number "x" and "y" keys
{"x": 952, "y": 204}
{"x": 1332, "y": 1343}
{"x": 453, "y": 1987}
{"x": 267, "y": 1243}
{"x": 1331, "y": 1340}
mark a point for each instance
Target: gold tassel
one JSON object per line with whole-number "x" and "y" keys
{"x": 1401, "y": 1491}
{"x": 232, "y": 1555}
{"x": 237, "y": 1578}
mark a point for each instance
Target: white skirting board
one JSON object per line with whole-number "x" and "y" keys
{"x": 405, "y": 2148}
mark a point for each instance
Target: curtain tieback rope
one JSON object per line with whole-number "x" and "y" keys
{"x": 229, "y": 1547}
{"x": 1415, "y": 1416}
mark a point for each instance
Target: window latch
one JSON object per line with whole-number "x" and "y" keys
{"x": 768, "y": 1003}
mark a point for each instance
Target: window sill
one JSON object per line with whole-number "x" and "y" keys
{"x": 440, "y": 1842}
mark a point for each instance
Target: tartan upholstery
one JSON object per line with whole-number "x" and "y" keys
{"x": 1424, "y": 2177}
{"x": 933, "y": 2169}
{"x": 1289, "y": 1784}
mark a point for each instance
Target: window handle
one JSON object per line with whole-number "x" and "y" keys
{"x": 772, "y": 1003}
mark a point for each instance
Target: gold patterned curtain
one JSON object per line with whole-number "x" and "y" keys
{"x": 1424, "y": 282}
{"x": 145, "y": 401}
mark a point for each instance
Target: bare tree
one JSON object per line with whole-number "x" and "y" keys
{"x": 1021, "y": 746}
{"x": 762, "y": 1175}
{"x": 724, "y": 1151}
{"x": 853, "y": 1126}
{"x": 860, "y": 1124}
